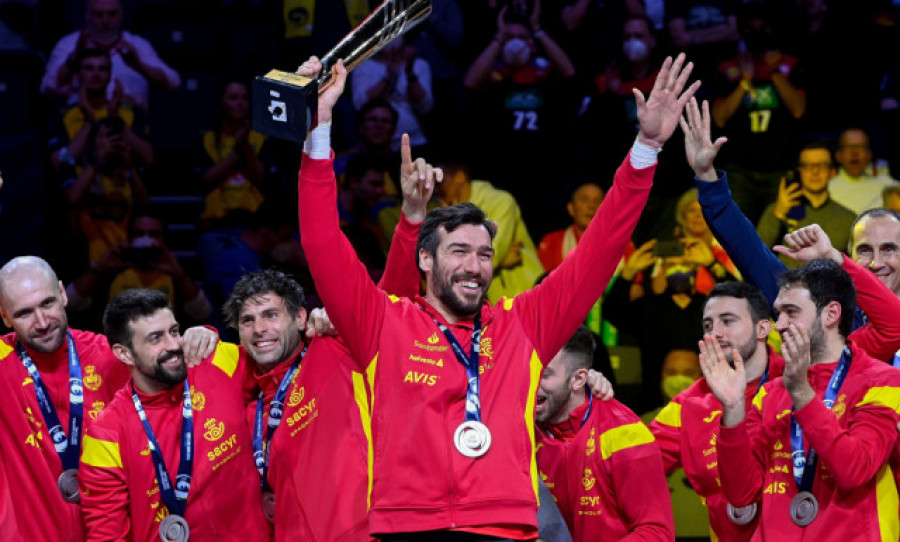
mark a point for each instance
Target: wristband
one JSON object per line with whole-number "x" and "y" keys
{"x": 642, "y": 155}
{"x": 318, "y": 142}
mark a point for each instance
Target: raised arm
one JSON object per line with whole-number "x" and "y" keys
{"x": 880, "y": 337}
{"x": 551, "y": 311}
{"x": 736, "y": 234}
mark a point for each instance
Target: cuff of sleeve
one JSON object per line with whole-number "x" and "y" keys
{"x": 643, "y": 156}
{"x": 811, "y": 414}
{"x": 318, "y": 142}
{"x": 735, "y": 437}
{"x": 406, "y": 223}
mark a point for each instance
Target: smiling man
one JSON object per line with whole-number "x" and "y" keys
{"x": 597, "y": 457}
{"x": 171, "y": 454}
{"x": 454, "y": 378}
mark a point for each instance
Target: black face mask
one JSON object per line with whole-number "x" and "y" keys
{"x": 758, "y": 41}
{"x": 680, "y": 283}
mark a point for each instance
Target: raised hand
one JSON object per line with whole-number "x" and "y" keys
{"x": 807, "y": 244}
{"x": 417, "y": 181}
{"x": 788, "y": 197}
{"x": 319, "y": 325}
{"x": 659, "y": 114}
{"x": 331, "y": 91}
{"x": 795, "y": 351}
{"x": 728, "y": 384}
{"x": 698, "y": 145}
{"x": 639, "y": 260}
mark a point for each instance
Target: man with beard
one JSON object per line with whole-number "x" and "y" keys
{"x": 834, "y": 406}
{"x": 55, "y": 381}
{"x": 451, "y": 453}
{"x": 736, "y": 315}
{"x": 171, "y": 454}
{"x": 598, "y": 458}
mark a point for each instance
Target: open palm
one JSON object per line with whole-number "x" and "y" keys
{"x": 658, "y": 115}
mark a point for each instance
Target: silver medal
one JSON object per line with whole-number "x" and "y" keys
{"x": 472, "y": 439}
{"x": 268, "y": 506}
{"x": 68, "y": 486}
{"x": 174, "y": 528}
{"x": 742, "y": 515}
{"x": 804, "y": 508}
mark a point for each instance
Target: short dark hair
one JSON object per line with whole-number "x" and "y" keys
{"x": 449, "y": 218}
{"x": 258, "y": 283}
{"x": 127, "y": 307}
{"x": 90, "y": 52}
{"x": 759, "y": 306}
{"x": 581, "y": 345}
{"x": 826, "y": 282}
{"x": 376, "y": 103}
{"x": 362, "y": 163}
{"x": 819, "y": 145}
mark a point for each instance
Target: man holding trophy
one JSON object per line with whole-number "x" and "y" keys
{"x": 453, "y": 378}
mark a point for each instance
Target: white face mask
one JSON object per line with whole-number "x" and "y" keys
{"x": 635, "y": 50}
{"x": 516, "y": 52}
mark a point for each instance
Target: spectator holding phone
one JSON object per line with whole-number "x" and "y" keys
{"x": 660, "y": 322}
{"x": 807, "y": 202}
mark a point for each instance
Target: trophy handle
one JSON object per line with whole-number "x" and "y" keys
{"x": 390, "y": 20}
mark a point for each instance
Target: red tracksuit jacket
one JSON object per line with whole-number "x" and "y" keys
{"x": 323, "y": 425}
{"x": 687, "y": 428}
{"x": 27, "y": 455}
{"x": 120, "y": 496}
{"x": 420, "y": 481}
{"x": 854, "y": 483}
{"x": 608, "y": 478}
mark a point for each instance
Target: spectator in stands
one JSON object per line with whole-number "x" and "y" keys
{"x": 363, "y": 197}
{"x": 516, "y": 264}
{"x": 398, "y": 75}
{"x": 891, "y": 198}
{"x": 700, "y": 247}
{"x": 104, "y": 187}
{"x": 608, "y": 115}
{"x": 525, "y": 96}
{"x": 859, "y": 182}
{"x": 706, "y": 29}
{"x": 758, "y": 101}
{"x": 376, "y": 124}
{"x": 807, "y": 202}
{"x": 135, "y": 64}
{"x": 660, "y": 323}
{"x": 93, "y": 75}
{"x": 232, "y": 168}
{"x": 582, "y": 207}
{"x": 144, "y": 261}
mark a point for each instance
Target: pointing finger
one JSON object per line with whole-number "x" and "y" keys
{"x": 405, "y": 152}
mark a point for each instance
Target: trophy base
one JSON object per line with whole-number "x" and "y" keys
{"x": 284, "y": 105}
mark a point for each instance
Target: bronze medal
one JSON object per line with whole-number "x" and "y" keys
{"x": 68, "y": 486}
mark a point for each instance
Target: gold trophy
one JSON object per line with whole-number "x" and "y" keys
{"x": 284, "y": 103}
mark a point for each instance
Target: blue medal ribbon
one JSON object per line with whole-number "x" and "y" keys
{"x": 590, "y": 400}
{"x": 276, "y": 411}
{"x": 805, "y": 462}
{"x": 763, "y": 379}
{"x": 470, "y": 362}
{"x": 68, "y": 447}
{"x": 173, "y": 496}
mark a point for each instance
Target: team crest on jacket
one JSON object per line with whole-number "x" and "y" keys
{"x": 840, "y": 408}
{"x": 214, "y": 429}
{"x": 91, "y": 379}
{"x": 591, "y": 445}
{"x": 296, "y": 396}
{"x": 198, "y": 399}
{"x": 487, "y": 349}
{"x": 434, "y": 339}
{"x": 96, "y": 409}
{"x": 588, "y": 480}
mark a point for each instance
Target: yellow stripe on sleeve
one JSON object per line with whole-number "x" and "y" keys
{"x": 624, "y": 437}
{"x": 365, "y": 416}
{"x": 100, "y": 453}
{"x": 393, "y": 298}
{"x": 758, "y": 398}
{"x": 887, "y": 502}
{"x": 508, "y": 303}
{"x": 535, "y": 367}
{"x": 226, "y": 357}
{"x": 670, "y": 415}
{"x": 370, "y": 467}
{"x": 886, "y": 396}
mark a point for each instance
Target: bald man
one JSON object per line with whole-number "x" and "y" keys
{"x": 54, "y": 382}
